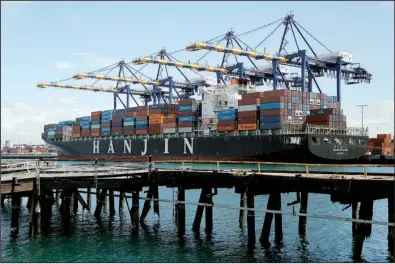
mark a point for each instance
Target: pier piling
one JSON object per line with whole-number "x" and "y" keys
{"x": 121, "y": 197}
{"x": 199, "y": 211}
{"x": 264, "y": 239}
{"x": 242, "y": 205}
{"x": 88, "y": 198}
{"x": 100, "y": 203}
{"x": 2, "y": 201}
{"x": 134, "y": 211}
{"x": 251, "y": 217}
{"x": 209, "y": 210}
{"x": 32, "y": 215}
{"x": 391, "y": 229}
{"x": 278, "y": 221}
{"x": 181, "y": 211}
{"x": 75, "y": 201}
{"x": 147, "y": 204}
{"x": 304, "y": 198}
{"x": 16, "y": 206}
{"x": 65, "y": 196}
{"x": 111, "y": 202}
{"x": 354, "y": 216}
{"x": 363, "y": 230}
{"x": 156, "y": 196}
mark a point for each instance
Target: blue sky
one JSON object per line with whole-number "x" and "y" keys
{"x": 51, "y": 41}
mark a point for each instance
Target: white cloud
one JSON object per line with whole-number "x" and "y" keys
{"x": 27, "y": 122}
{"x": 64, "y": 65}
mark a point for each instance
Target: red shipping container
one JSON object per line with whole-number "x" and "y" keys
{"x": 141, "y": 118}
{"x": 155, "y": 126}
{"x": 226, "y": 122}
{"x": 281, "y": 92}
{"x": 130, "y": 114}
{"x": 141, "y": 131}
{"x": 187, "y": 102}
{"x": 256, "y": 95}
{"x": 247, "y": 120}
{"x": 50, "y": 126}
{"x": 170, "y": 120}
{"x": 95, "y": 118}
{"x": 319, "y": 118}
{"x": 76, "y": 135}
{"x": 155, "y": 131}
{"x": 188, "y": 113}
{"x": 105, "y": 125}
{"x": 95, "y": 134}
{"x": 271, "y": 99}
{"x": 273, "y": 112}
{"x": 223, "y": 128}
{"x": 169, "y": 125}
{"x": 249, "y": 114}
{"x": 142, "y": 113}
{"x": 116, "y": 129}
{"x": 248, "y": 101}
{"x": 129, "y": 132}
{"x": 117, "y": 119}
{"x": 186, "y": 124}
{"x": 156, "y": 111}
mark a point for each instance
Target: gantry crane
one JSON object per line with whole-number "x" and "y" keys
{"x": 311, "y": 67}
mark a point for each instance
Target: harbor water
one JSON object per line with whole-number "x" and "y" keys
{"x": 158, "y": 241}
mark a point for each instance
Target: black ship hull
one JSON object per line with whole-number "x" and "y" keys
{"x": 264, "y": 148}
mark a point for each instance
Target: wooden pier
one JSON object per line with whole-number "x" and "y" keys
{"x": 44, "y": 185}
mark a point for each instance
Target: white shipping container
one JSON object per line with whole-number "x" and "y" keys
{"x": 289, "y": 118}
{"x": 185, "y": 129}
{"x": 170, "y": 130}
{"x": 245, "y": 108}
{"x": 95, "y": 126}
{"x": 318, "y": 101}
{"x": 51, "y": 133}
{"x": 128, "y": 123}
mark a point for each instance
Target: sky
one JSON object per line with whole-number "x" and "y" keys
{"x": 51, "y": 41}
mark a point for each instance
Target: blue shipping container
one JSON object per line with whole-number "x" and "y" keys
{"x": 185, "y": 108}
{"x": 227, "y": 117}
{"x": 86, "y": 118}
{"x": 142, "y": 126}
{"x": 129, "y": 119}
{"x": 129, "y": 128}
{"x": 141, "y": 122}
{"x": 186, "y": 119}
{"x": 269, "y": 106}
{"x": 105, "y": 129}
{"x": 116, "y": 133}
{"x": 227, "y": 112}
{"x": 85, "y": 126}
{"x": 106, "y": 112}
{"x": 271, "y": 119}
{"x": 95, "y": 122}
{"x": 270, "y": 126}
{"x": 119, "y": 114}
{"x": 116, "y": 124}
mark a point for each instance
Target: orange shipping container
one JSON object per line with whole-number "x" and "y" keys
{"x": 247, "y": 120}
{"x": 384, "y": 136}
{"x": 154, "y": 116}
{"x": 172, "y": 115}
{"x": 227, "y": 128}
{"x": 169, "y": 125}
{"x": 142, "y": 113}
{"x": 128, "y": 132}
{"x": 130, "y": 114}
{"x": 141, "y": 118}
{"x": 246, "y": 127}
{"x": 154, "y": 121}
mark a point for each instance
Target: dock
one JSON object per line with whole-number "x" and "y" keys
{"x": 43, "y": 185}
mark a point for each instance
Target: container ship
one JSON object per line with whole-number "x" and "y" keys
{"x": 226, "y": 125}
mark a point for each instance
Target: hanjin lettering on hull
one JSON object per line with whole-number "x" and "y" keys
{"x": 139, "y": 147}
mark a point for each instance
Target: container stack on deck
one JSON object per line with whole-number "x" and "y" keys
{"x": 381, "y": 145}
{"x": 227, "y": 120}
{"x": 142, "y": 118}
{"x": 248, "y": 115}
{"x": 64, "y": 130}
{"x": 116, "y": 122}
{"x": 256, "y": 111}
{"x": 49, "y": 131}
{"x": 187, "y": 116}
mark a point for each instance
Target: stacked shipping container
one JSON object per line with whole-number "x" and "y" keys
{"x": 248, "y": 111}
{"x": 227, "y": 120}
{"x": 49, "y": 131}
{"x": 382, "y": 145}
{"x": 116, "y": 122}
{"x": 142, "y": 113}
{"x": 187, "y": 115}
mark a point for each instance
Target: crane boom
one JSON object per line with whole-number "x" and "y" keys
{"x": 251, "y": 54}
{"x": 144, "y": 60}
{"x": 86, "y": 88}
{"x": 115, "y": 78}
